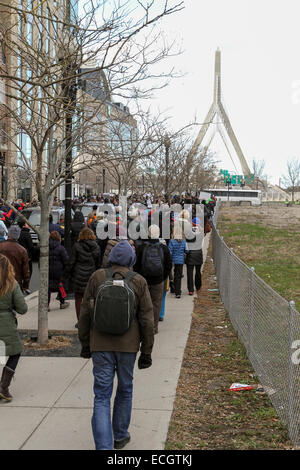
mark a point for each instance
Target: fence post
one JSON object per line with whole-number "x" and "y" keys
{"x": 251, "y": 311}
{"x": 230, "y": 281}
{"x": 221, "y": 263}
{"x": 291, "y": 373}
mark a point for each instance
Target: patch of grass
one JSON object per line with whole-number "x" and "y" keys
{"x": 175, "y": 445}
{"x": 265, "y": 413}
{"x": 273, "y": 252}
{"x": 206, "y": 415}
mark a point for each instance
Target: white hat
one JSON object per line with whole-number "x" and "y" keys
{"x": 154, "y": 231}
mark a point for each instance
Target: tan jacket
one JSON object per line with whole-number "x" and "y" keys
{"x": 140, "y": 335}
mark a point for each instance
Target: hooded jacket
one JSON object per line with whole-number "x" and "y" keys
{"x": 140, "y": 335}
{"x": 58, "y": 259}
{"x": 10, "y": 303}
{"x": 84, "y": 261}
{"x": 76, "y": 226}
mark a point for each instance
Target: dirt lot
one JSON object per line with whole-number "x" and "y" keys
{"x": 275, "y": 216}
{"x": 206, "y": 415}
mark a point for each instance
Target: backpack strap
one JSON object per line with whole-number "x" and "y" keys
{"x": 109, "y": 273}
{"x": 130, "y": 275}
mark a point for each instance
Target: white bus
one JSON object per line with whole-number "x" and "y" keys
{"x": 237, "y": 195}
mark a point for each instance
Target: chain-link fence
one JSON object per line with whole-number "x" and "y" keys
{"x": 269, "y": 328}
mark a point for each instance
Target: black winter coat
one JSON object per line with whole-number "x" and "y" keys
{"x": 167, "y": 262}
{"x": 84, "y": 261}
{"x": 58, "y": 260}
{"x": 76, "y": 226}
{"x": 26, "y": 241}
{"x": 194, "y": 257}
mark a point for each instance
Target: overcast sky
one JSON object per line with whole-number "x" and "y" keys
{"x": 260, "y": 54}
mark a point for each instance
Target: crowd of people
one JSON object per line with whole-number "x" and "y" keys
{"x": 138, "y": 258}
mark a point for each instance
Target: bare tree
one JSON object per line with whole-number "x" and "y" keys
{"x": 131, "y": 139}
{"x": 258, "y": 167}
{"x": 170, "y": 168}
{"x": 49, "y": 57}
{"x": 292, "y": 180}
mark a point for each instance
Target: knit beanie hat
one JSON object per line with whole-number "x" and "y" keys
{"x": 122, "y": 254}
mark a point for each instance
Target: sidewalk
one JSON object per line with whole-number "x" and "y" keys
{"x": 53, "y": 397}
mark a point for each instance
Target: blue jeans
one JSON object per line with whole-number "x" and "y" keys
{"x": 106, "y": 363}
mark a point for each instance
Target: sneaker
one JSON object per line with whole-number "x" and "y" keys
{"x": 191, "y": 293}
{"x": 160, "y": 319}
{"x": 122, "y": 443}
{"x": 64, "y": 305}
{"x": 178, "y": 296}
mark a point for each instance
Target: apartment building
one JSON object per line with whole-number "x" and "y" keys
{"x": 32, "y": 29}
{"x": 36, "y": 35}
{"x": 109, "y": 140}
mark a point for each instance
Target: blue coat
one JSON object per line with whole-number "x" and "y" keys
{"x": 177, "y": 249}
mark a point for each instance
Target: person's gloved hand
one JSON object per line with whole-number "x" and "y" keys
{"x": 144, "y": 361}
{"x": 85, "y": 353}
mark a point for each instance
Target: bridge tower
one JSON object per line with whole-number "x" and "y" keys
{"x": 217, "y": 110}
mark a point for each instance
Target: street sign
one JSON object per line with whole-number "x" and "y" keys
{"x": 237, "y": 179}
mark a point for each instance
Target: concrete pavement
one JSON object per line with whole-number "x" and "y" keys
{"x": 53, "y": 396}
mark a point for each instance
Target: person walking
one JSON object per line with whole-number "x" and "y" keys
{"x": 3, "y": 230}
{"x": 116, "y": 353}
{"x": 11, "y": 301}
{"x": 55, "y": 227}
{"x": 26, "y": 241}
{"x": 178, "y": 248}
{"x": 3, "y": 233}
{"x": 84, "y": 261}
{"x": 77, "y": 225}
{"x": 18, "y": 256}
{"x": 194, "y": 260}
{"x": 154, "y": 263}
{"x": 58, "y": 260}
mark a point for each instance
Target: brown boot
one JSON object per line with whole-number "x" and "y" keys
{"x": 7, "y": 375}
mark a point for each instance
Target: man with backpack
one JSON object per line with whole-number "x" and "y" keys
{"x": 154, "y": 263}
{"x": 116, "y": 321}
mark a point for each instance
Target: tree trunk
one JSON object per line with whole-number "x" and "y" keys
{"x": 44, "y": 275}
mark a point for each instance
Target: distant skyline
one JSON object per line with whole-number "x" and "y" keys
{"x": 260, "y": 53}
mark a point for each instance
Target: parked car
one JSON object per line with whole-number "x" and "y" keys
{"x": 33, "y": 215}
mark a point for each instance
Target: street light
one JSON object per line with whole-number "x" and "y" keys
{"x": 167, "y": 144}
{"x": 66, "y": 53}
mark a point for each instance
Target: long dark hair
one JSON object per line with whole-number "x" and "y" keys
{"x": 7, "y": 275}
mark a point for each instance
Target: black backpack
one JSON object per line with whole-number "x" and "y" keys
{"x": 152, "y": 260}
{"x": 114, "y": 307}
